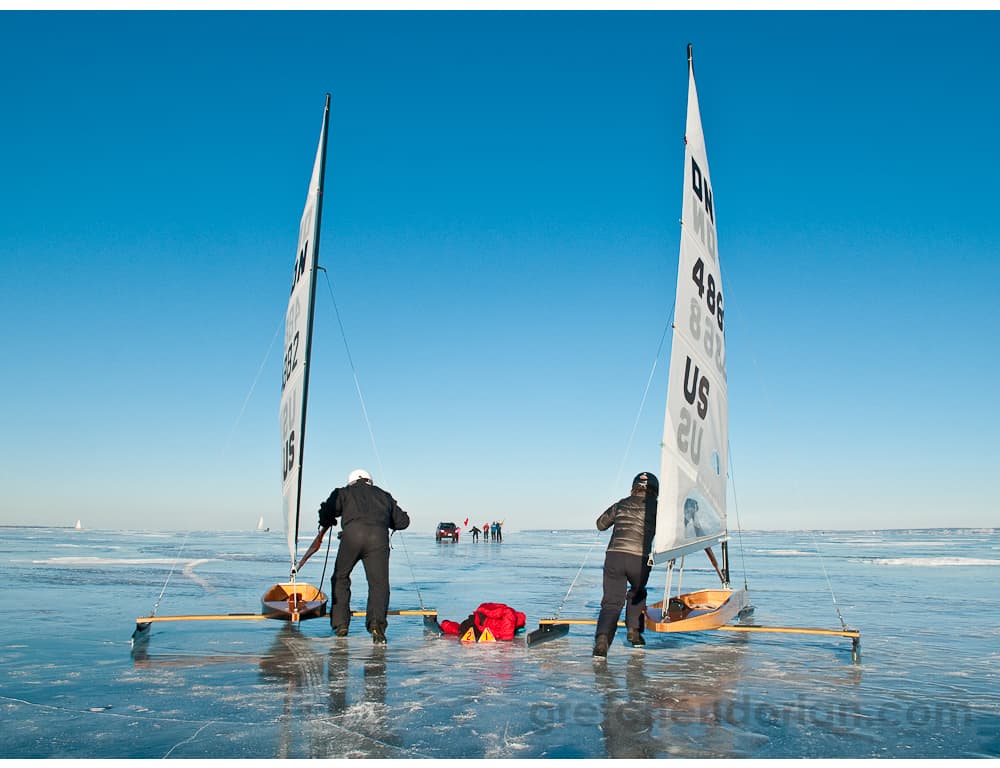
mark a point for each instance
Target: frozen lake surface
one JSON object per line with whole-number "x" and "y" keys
{"x": 925, "y": 601}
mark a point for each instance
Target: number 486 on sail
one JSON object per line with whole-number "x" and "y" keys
{"x": 701, "y": 328}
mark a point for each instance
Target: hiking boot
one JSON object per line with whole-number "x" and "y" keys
{"x": 601, "y": 645}
{"x": 340, "y": 631}
{"x": 635, "y": 637}
{"x": 378, "y": 636}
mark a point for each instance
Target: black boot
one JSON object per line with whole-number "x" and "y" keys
{"x": 635, "y": 637}
{"x": 601, "y": 645}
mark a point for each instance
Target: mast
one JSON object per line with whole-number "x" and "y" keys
{"x": 298, "y": 346}
{"x": 312, "y": 309}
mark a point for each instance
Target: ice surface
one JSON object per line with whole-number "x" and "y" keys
{"x": 71, "y": 686}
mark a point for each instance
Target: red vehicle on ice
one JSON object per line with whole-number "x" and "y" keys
{"x": 447, "y": 531}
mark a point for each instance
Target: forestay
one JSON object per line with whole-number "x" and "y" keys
{"x": 298, "y": 343}
{"x": 694, "y": 457}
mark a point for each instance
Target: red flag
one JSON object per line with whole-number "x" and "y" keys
{"x": 466, "y": 522}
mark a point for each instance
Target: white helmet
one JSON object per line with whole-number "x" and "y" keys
{"x": 358, "y": 474}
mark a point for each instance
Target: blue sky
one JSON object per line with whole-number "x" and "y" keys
{"x": 501, "y": 233}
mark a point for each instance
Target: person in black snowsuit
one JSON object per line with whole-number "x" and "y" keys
{"x": 627, "y": 561}
{"x": 367, "y": 514}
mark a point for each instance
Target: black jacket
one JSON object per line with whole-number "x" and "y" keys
{"x": 362, "y": 504}
{"x": 634, "y": 519}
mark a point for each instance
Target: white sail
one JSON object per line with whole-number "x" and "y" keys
{"x": 79, "y": 525}
{"x": 260, "y": 523}
{"x": 691, "y": 513}
{"x": 298, "y": 341}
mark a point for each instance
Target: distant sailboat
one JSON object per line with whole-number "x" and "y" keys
{"x": 78, "y": 526}
{"x": 292, "y": 600}
{"x": 260, "y": 524}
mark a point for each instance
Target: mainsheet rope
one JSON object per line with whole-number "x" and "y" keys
{"x": 371, "y": 433}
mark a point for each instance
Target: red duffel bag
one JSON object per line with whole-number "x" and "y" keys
{"x": 502, "y": 621}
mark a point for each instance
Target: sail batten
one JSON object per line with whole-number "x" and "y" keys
{"x": 298, "y": 345}
{"x": 694, "y": 451}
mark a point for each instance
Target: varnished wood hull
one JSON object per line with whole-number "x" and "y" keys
{"x": 293, "y": 602}
{"x": 707, "y": 609}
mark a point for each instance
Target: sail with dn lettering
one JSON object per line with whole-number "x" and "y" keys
{"x": 694, "y": 457}
{"x": 694, "y": 460}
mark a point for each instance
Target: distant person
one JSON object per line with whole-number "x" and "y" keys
{"x": 486, "y": 531}
{"x": 367, "y": 515}
{"x": 475, "y": 533}
{"x": 499, "y": 531}
{"x": 626, "y": 561}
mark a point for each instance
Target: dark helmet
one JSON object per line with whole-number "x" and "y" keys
{"x": 646, "y": 479}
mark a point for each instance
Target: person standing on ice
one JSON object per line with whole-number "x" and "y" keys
{"x": 626, "y": 561}
{"x": 367, "y": 514}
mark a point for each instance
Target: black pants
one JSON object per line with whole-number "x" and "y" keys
{"x": 621, "y": 568}
{"x": 370, "y": 545}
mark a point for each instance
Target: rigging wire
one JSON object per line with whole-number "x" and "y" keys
{"x": 563, "y": 603}
{"x": 354, "y": 372}
{"x": 739, "y": 524}
{"x": 416, "y": 584}
{"x": 156, "y": 605}
{"x": 628, "y": 446}
{"x": 253, "y": 386}
{"x": 371, "y": 432}
{"x": 829, "y": 584}
{"x": 642, "y": 402}
{"x": 735, "y": 307}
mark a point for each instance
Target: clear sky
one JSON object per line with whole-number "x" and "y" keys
{"x": 501, "y": 234}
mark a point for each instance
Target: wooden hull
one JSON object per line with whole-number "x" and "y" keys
{"x": 293, "y": 602}
{"x": 707, "y": 609}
